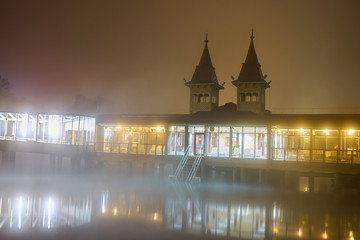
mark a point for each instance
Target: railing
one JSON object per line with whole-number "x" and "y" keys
{"x": 130, "y": 148}
{"x": 182, "y": 163}
{"x": 349, "y": 156}
{"x": 194, "y": 168}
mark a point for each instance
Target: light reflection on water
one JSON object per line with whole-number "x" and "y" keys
{"x": 192, "y": 209}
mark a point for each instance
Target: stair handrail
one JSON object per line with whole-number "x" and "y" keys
{"x": 182, "y": 162}
{"x": 194, "y": 167}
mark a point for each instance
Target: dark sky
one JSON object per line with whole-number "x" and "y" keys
{"x": 135, "y": 54}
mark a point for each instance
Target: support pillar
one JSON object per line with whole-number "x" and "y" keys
{"x": 337, "y": 183}
{"x": 12, "y": 159}
{"x": 311, "y": 184}
{"x": 242, "y": 175}
{"x": 59, "y": 162}
{"x": 234, "y": 175}
{"x": 260, "y": 176}
{"x": 52, "y": 161}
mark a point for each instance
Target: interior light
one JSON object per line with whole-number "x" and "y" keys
{"x": 53, "y": 127}
{"x": 326, "y": 131}
{"x": 350, "y": 131}
{"x": 324, "y": 235}
{"x": 155, "y": 216}
{"x": 118, "y": 128}
{"x": 351, "y": 235}
{"x": 49, "y": 213}
{"x": 159, "y": 129}
{"x": 115, "y": 211}
{"x": 20, "y": 208}
{"x": 299, "y": 232}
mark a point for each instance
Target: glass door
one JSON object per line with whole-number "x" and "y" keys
{"x": 199, "y": 143}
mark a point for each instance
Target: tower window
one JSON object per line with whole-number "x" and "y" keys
{"x": 242, "y": 97}
{"x": 213, "y": 99}
{"x": 248, "y": 97}
{"x": 254, "y": 97}
{"x": 206, "y": 98}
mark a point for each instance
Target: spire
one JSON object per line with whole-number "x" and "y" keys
{"x": 205, "y": 72}
{"x": 251, "y": 69}
{"x": 205, "y": 59}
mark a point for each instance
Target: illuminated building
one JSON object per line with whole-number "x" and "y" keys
{"x": 239, "y": 142}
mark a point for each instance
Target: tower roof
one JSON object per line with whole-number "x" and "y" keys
{"x": 251, "y": 68}
{"x": 204, "y": 72}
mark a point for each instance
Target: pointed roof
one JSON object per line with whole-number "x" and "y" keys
{"x": 204, "y": 72}
{"x": 251, "y": 68}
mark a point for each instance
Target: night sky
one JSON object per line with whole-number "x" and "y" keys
{"x": 135, "y": 54}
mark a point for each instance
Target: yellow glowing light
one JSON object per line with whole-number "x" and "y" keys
{"x": 155, "y": 216}
{"x": 326, "y": 131}
{"x": 324, "y": 235}
{"x": 306, "y": 189}
{"x": 275, "y": 230}
{"x": 351, "y": 235}
{"x": 299, "y": 232}
{"x": 350, "y": 131}
{"x": 159, "y": 129}
{"x": 301, "y": 130}
{"x": 103, "y": 210}
{"x": 118, "y": 128}
{"x": 115, "y": 211}
{"x": 138, "y": 209}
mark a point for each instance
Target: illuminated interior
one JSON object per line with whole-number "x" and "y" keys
{"x": 47, "y": 128}
{"x": 134, "y": 139}
{"x": 317, "y": 145}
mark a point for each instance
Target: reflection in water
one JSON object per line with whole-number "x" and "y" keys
{"x": 19, "y": 212}
{"x": 192, "y": 213}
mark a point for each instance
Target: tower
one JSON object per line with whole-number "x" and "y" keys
{"x": 204, "y": 86}
{"x": 251, "y": 84}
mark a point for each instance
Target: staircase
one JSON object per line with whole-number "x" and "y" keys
{"x": 187, "y": 168}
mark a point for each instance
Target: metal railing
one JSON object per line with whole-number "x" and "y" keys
{"x": 182, "y": 163}
{"x": 130, "y": 148}
{"x": 194, "y": 168}
{"x": 350, "y": 156}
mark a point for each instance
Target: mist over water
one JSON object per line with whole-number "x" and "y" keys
{"x": 111, "y": 201}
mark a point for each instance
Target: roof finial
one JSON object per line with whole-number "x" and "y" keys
{"x": 252, "y": 33}
{"x": 206, "y": 40}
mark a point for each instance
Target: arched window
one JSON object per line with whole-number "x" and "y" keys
{"x": 248, "y": 97}
{"x": 206, "y": 98}
{"x": 213, "y": 100}
{"x": 254, "y": 97}
{"x": 200, "y": 98}
{"x": 242, "y": 97}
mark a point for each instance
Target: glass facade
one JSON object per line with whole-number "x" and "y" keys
{"x": 176, "y": 141}
{"x": 316, "y": 145}
{"x": 226, "y": 141}
{"x": 134, "y": 140}
{"x": 47, "y": 128}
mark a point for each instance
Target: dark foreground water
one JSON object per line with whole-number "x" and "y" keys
{"x": 101, "y": 206}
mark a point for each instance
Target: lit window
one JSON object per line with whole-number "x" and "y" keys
{"x": 242, "y": 97}
{"x": 214, "y": 99}
{"x": 206, "y": 98}
{"x": 194, "y": 97}
{"x": 248, "y": 97}
{"x": 254, "y": 97}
